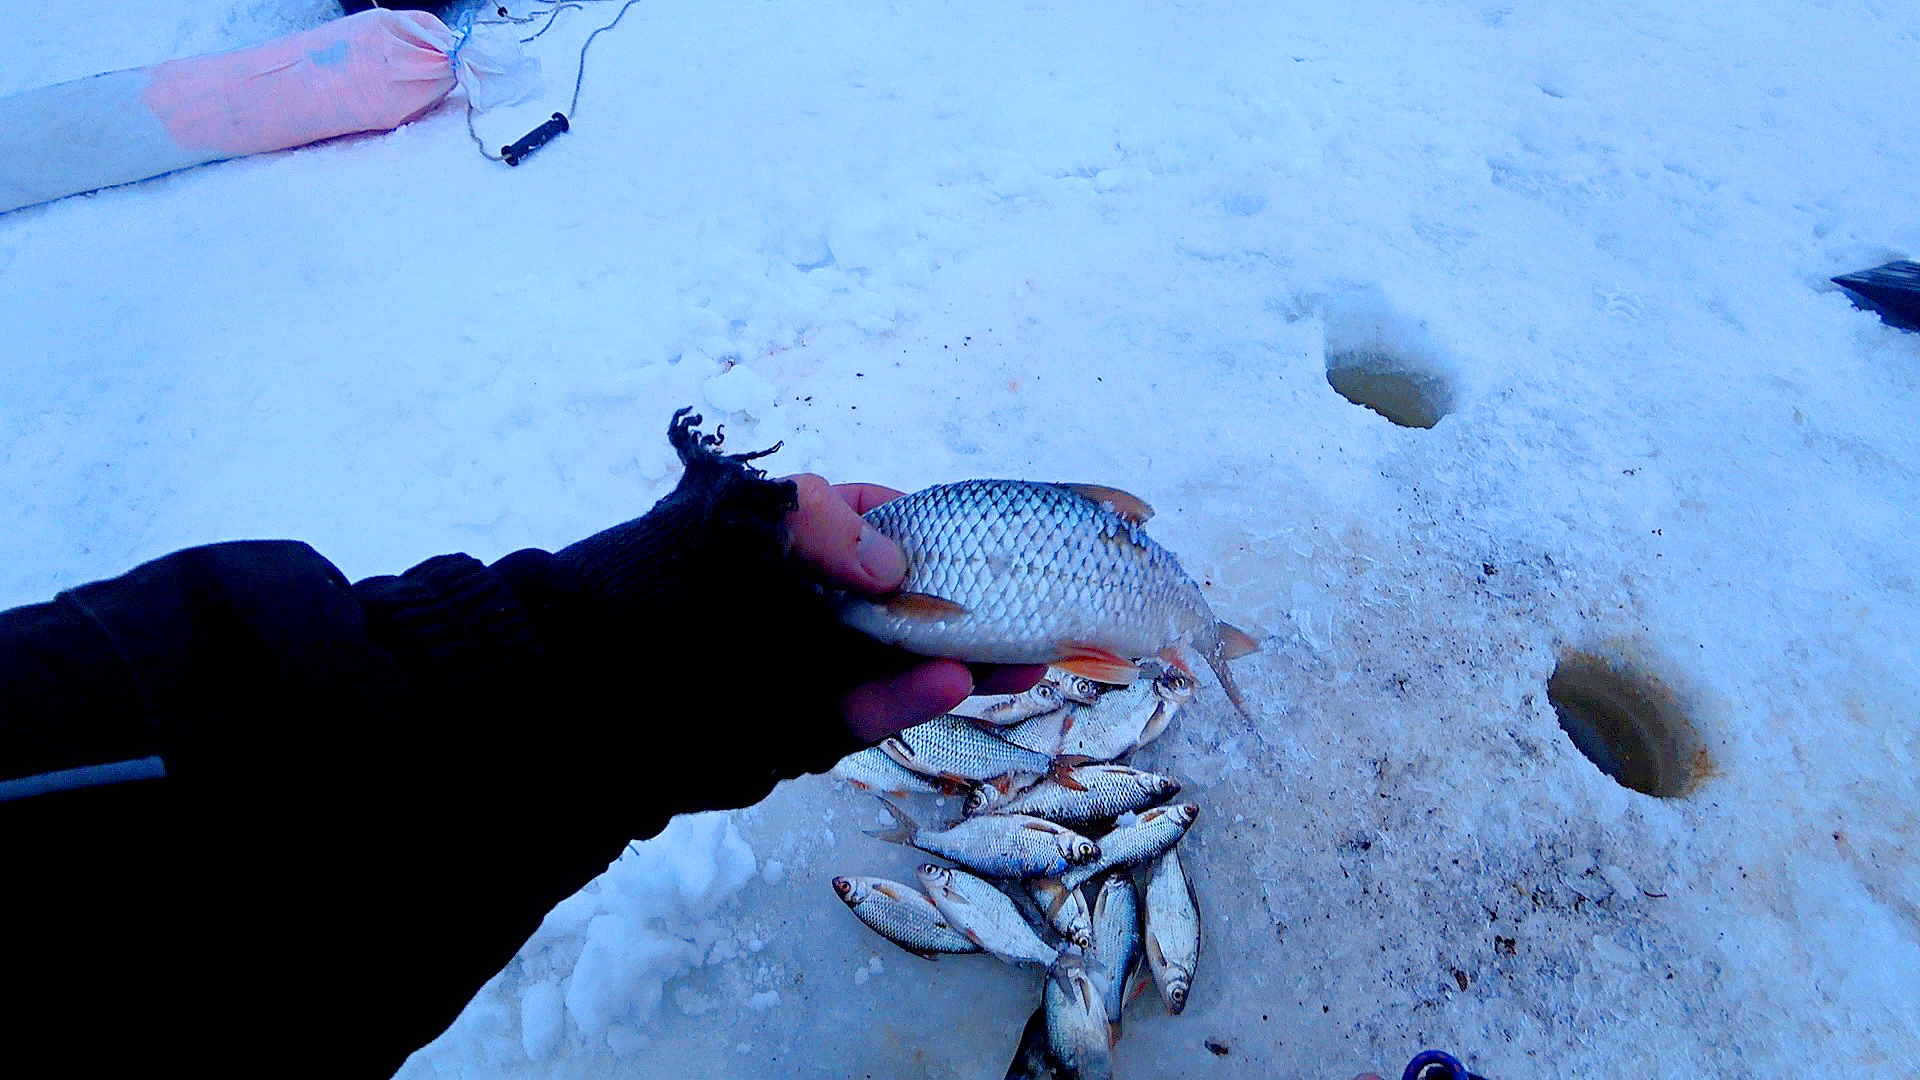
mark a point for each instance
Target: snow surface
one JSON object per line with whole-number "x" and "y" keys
{"x": 1117, "y": 243}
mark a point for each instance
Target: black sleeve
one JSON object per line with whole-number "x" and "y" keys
{"x": 252, "y": 812}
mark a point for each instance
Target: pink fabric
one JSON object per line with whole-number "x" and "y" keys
{"x": 367, "y": 72}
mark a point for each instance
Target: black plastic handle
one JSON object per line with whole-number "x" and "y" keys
{"x": 518, "y": 152}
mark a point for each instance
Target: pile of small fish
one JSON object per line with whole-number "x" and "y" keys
{"x": 1051, "y": 819}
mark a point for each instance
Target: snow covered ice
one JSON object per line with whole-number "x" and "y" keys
{"x": 1126, "y": 245}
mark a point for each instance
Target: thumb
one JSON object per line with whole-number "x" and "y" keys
{"x": 831, "y": 537}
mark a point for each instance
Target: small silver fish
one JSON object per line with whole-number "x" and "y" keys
{"x": 1170, "y": 928}
{"x": 1116, "y": 942}
{"x": 997, "y": 845}
{"x": 1077, "y": 689}
{"x": 872, "y": 770}
{"x": 985, "y": 915}
{"x": 1003, "y": 709}
{"x": 1077, "y": 1031}
{"x": 1064, "y": 909}
{"x": 901, "y": 915}
{"x": 1145, "y": 837}
{"x": 954, "y": 750}
{"x": 1174, "y": 690}
{"x": 1110, "y": 728}
{"x": 1017, "y": 572}
{"x": 1107, "y": 791}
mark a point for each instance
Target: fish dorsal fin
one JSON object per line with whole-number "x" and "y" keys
{"x": 1234, "y": 642}
{"x": 923, "y": 606}
{"x": 1131, "y": 507}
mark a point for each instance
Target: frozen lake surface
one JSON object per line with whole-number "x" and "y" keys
{"x": 1585, "y": 245}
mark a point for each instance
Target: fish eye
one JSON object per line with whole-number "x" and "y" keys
{"x": 1178, "y": 994}
{"x": 843, "y": 887}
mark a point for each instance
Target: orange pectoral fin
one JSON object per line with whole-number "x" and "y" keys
{"x": 1131, "y": 507}
{"x": 923, "y": 606}
{"x": 1097, "y": 664}
{"x": 1062, "y": 775}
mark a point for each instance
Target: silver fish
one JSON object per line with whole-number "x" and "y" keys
{"x": 872, "y": 770}
{"x": 953, "y": 749}
{"x": 1113, "y": 726}
{"x": 1017, "y": 572}
{"x": 1107, "y": 792}
{"x": 1065, "y": 910}
{"x": 1145, "y": 837}
{"x": 984, "y": 914}
{"x": 1170, "y": 928}
{"x": 1116, "y": 942}
{"x": 1006, "y": 846}
{"x": 901, "y": 915}
{"x": 1076, "y": 688}
{"x": 1077, "y": 1021}
{"x": 1174, "y": 690}
{"x": 1000, "y": 710}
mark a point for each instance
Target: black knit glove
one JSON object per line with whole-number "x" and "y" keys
{"x": 694, "y": 615}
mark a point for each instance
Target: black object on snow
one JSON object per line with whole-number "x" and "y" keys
{"x": 1891, "y": 291}
{"x": 515, "y": 153}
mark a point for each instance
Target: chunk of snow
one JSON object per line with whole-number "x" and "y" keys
{"x": 740, "y": 390}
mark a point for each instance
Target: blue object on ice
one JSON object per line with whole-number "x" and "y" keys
{"x": 1891, "y": 291}
{"x": 1437, "y": 1065}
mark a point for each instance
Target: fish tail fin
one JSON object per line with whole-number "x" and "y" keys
{"x": 1229, "y": 643}
{"x": 1234, "y": 642}
{"x": 903, "y": 830}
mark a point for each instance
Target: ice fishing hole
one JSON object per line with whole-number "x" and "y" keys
{"x": 1379, "y": 381}
{"x": 1629, "y": 725}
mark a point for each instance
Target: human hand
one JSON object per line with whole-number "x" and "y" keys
{"x": 829, "y": 537}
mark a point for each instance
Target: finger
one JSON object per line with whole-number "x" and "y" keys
{"x": 864, "y": 497}
{"x": 1006, "y": 679}
{"x": 881, "y": 708}
{"x": 829, "y": 536}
